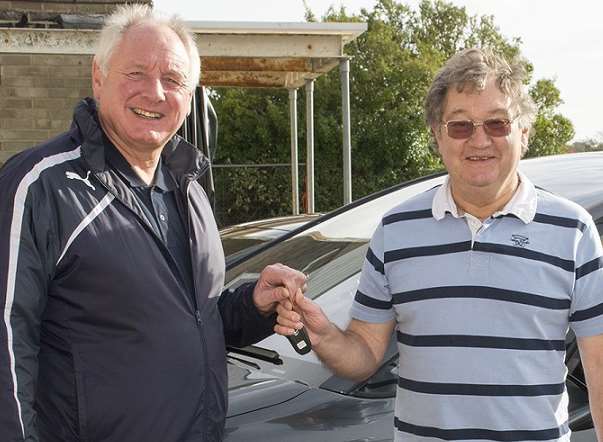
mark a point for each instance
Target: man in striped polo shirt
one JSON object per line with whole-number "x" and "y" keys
{"x": 481, "y": 278}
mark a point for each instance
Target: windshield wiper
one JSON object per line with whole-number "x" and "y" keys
{"x": 263, "y": 354}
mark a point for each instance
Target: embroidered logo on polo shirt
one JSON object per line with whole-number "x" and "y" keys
{"x": 520, "y": 240}
{"x": 75, "y": 176}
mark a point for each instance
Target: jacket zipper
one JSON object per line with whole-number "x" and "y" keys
{"x": 158, "y": 240}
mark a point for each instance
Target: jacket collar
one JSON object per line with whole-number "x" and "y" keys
{"x": 183, "y": 159}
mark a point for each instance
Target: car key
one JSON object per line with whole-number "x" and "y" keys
{"x": 300, "y": 341}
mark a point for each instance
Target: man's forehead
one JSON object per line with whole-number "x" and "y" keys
{"x": 146, "y": 42}
{"x": 490, "y": 100}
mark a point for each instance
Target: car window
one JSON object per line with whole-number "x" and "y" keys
{"x": 327, "y": 262}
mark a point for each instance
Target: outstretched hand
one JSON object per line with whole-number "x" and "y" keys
{"x": 300, "y": 311}
{"x": 277, "y": 282}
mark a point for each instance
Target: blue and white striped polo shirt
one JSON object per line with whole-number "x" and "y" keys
{"x": 482, "y": 318}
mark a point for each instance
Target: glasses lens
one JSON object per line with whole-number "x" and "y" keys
{"x": 459, "y": 129}
{"x": 497, "y": 127}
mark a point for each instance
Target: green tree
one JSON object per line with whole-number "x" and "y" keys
{"x": 392, "y": 66}
{"x": 551, "y": 131}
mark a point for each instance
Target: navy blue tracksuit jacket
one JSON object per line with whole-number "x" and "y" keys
{"x": 100, "y": 340}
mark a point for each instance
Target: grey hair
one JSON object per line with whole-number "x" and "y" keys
{"x": 127, "y": 16}
{"x": 469, "y": 70}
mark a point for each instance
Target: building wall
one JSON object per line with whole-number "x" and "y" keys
{"x": 62, "y": 6}
{"x": 37, "y": 96}
{"x": 38, "y": 91}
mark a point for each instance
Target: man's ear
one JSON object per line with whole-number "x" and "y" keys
{"x": 97, "y": 79}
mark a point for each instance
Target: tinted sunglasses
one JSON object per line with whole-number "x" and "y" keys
{"x": 494, "y": 127}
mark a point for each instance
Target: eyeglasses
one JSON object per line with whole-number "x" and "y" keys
{"x": 494, "y": 127}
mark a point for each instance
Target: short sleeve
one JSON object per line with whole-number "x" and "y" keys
{"x": 373, "y": 300}
{"x": 586, "y": 315}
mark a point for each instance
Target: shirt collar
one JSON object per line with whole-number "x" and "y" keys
{"x": 163, "y": 179}
{"x": 522, "y": 204}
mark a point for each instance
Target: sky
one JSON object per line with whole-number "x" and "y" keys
{"x": 562, "y": 39}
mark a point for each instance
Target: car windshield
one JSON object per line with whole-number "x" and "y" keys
{"x": 332, "y": 250}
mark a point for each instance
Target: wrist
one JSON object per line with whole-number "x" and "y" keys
{"x": 323, "y": 337}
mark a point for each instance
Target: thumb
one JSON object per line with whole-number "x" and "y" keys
{"x": 305, "y": 304}
{"x": 277, "y": 294}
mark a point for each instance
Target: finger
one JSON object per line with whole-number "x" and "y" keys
{"x": 299, "y": 298}
{"x": 285, "y": 304}
{"x": 291, "y": 278}
{"x": 284, "y": 331}
{"x": 287, "y": 313}
{"x": 278, "y": 294}
{"x": 289, "y": 323}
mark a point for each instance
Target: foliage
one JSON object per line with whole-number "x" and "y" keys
{"x": 589, "y": 145}
{"x": 392, "y": 65}
{"x": 551, "y": 131}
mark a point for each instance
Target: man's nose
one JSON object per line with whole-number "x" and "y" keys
{"x": 154, "y": 90}
{"x": 480, "y": 138}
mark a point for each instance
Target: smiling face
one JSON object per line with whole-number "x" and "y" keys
{"x": 144, "y": 96}
{"x": 481, "y": 167}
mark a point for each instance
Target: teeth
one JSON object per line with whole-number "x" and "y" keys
{"x": 146, "y": 114}
{"x": 478, "y": 158}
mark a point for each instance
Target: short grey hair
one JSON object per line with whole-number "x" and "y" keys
{"x": 126, "y": 16}
{"x": 469, "y": 70}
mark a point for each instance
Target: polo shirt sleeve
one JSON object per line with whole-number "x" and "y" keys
{"x": 586, "y": 314}
{"x": 373, "y": 300}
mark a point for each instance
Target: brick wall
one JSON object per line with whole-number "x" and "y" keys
{"x": 62, "y": 6}
{"x": 37, "y": 96}
{"x": 38, "y": 92}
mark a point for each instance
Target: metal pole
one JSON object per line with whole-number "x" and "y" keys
{"x": 310, "y": 145}
{"x": 344, "y": 72}
{"x": 294, "y": 163}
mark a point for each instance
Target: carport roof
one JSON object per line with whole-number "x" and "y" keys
{"x": 242, "y": 54}
{"x": 266, "y": 54}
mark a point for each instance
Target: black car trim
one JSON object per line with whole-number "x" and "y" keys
{"x": 582, "y": 315}
{"x": 407, "y": 216}
{"x": 481, "y": 433}
{"x": 480, "y": 342}
{"x": 559, "y": 221}
{"x": 367, "y": 301}
{"x": 414, "y": 252}
{"x": 589, "y": 267}
{"x": 481, "y": 292}
{"x": 480, "y": 389}
{"x": 502, "y": 249}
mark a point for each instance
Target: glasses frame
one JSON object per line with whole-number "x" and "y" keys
{"x": 484, "y": 123}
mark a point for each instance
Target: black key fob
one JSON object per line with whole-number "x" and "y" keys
{"x": 300, "y": 341}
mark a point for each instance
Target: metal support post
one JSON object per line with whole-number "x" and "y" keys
{"x": 294, "y": 161}
{"x": 344, "y": 71}
{"x": 310, "y": 146}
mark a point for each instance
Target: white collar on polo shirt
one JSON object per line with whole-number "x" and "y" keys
{"x": 522, "y": 204}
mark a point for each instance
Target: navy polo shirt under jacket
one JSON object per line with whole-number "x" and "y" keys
{"x": 158, "y": 201}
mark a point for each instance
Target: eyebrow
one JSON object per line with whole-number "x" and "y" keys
{"x": 144, "y": 67}
{"x": 461, "y": 112}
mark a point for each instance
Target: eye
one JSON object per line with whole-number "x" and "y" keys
{"x": 496, "y": 123}
{"x": 134, "y": 75}
{"x": 461, "y": 124}
{"x": 173, "y": 83}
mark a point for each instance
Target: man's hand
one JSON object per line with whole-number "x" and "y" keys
{"x": 299, "y": 311}
{"x": 277, "y": 282}
{"x": 354, "y": 353}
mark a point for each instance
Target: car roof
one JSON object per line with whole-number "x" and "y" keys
{"x": 578, "y": 177}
